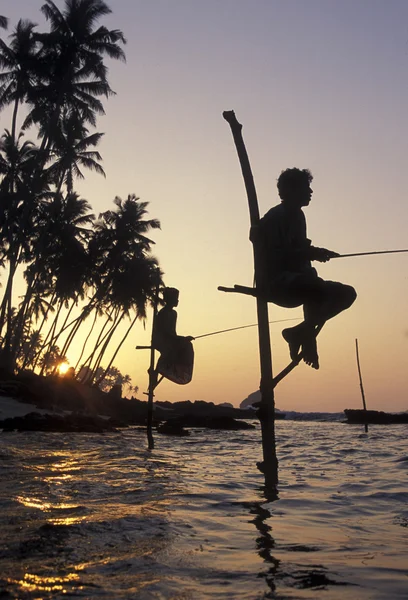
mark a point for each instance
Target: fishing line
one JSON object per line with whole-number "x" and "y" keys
{"x": 225, "y": 330}
{"x": 242, "y": 327}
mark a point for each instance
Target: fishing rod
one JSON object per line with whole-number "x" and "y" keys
{"x": 369, "y": 253}
{"x": 225, "y": 330}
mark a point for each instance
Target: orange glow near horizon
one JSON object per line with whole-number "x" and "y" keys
{"x": 63, "y": 368}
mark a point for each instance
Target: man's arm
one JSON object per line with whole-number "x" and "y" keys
{"x": 321, "y": 254}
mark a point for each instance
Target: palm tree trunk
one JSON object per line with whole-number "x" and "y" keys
{"x": 22, "y": 313}
{"x": 117, "y": 350}
{"x": 55, "y": 338}
{"x": 24, "y": 356}
{"x": 27, "y": 355}
{"x": 14, "y": 120}
{"x": 90, "y": 358}
{"x": 63, "y": 326}
{"x": 61, "y": 181}
{"x": 8, "y": 292}
{"x": 45, "y": 343}
{"x": 104, "y": 347}
{"x": 7, "y": 359}
{"x": 100, "y": 337}
{"x": 77, "y": 324}
{"x": 86, "y": 340}
{"x": 51, "y": 334}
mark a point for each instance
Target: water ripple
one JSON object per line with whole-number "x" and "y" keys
{"x": 101, "y": 516}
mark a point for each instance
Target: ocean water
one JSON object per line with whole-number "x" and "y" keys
{"x": 99, "y": 516}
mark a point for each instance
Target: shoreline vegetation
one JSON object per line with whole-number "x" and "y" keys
{"x": 84, "y": 276}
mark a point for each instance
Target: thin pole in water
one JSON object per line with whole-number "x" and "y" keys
{"x": 361, "y": 385}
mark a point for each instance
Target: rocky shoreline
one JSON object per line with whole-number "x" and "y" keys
{"x": 65, "y": 405}
{"x": 359, "y": 416}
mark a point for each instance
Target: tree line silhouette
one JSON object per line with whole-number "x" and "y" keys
{"x": 81, "y": 273}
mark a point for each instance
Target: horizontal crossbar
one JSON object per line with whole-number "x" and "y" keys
{"x": 239, "y": 289}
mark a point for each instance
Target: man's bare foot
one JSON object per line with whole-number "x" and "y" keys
{"x": 294, "y": 337}
{"x": 309, "y": 348}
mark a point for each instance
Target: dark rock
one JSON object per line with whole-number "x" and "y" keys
{"x": 250, "y": 400}
{"x": 222, "y": 422}
{"x": 374, "y": 417}
{"x": 115, "y": 392}
{"x": 57, "y": 423}
{"x": 163, "y": 410}
{"x": 172, "y": 428}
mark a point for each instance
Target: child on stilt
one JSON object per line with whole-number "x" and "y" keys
{"x": 176, "y": 352}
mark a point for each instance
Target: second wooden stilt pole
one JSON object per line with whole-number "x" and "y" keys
{"x": 267, "y": 406}
{"x": 152, "y": 377}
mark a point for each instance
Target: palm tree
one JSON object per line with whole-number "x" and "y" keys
{"x": 123, "y": 231}
{"x": 16, "y": 164}
{"x": 19, "y": 65}
{"x": 117, "y": 239}
{"x": 52, "y": 360}
{"x": 113, "y": 376}
{"x": 132, "y": 288}
{"x": 30, "y": 347}
{"x": 60, "y": 253}
{"x": 71, "y": 151}
{"x": 77, "y": 76}
{"x": 126, "y": 268}
{"x": 3, "y": 22}
{"x": 60, "y": 75}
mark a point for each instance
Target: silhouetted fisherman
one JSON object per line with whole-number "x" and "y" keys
{"x": 289, "y": 280}
{"x": 176, "y": 352}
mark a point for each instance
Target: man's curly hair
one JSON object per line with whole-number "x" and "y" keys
{"x": 290, "y": 179}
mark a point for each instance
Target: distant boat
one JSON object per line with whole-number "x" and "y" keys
{"x": 362, "y": 416}
{"x": 374, "y": 417}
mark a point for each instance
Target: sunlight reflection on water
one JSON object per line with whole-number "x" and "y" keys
{"x": 99, "y": 515}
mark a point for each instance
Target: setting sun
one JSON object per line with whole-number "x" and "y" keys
{"x": 63, "y": 368}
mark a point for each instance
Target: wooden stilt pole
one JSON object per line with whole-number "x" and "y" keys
{"x": 152, "y": 377}
{"x": 361, "y": 386}
{"x": 267, "y": 407}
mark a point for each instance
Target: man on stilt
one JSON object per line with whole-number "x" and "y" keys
{"x": 176, "y": 351}
{"x": 290, "y": 280}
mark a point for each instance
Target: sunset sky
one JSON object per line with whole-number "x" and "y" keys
{"x": 321, "y": 84}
